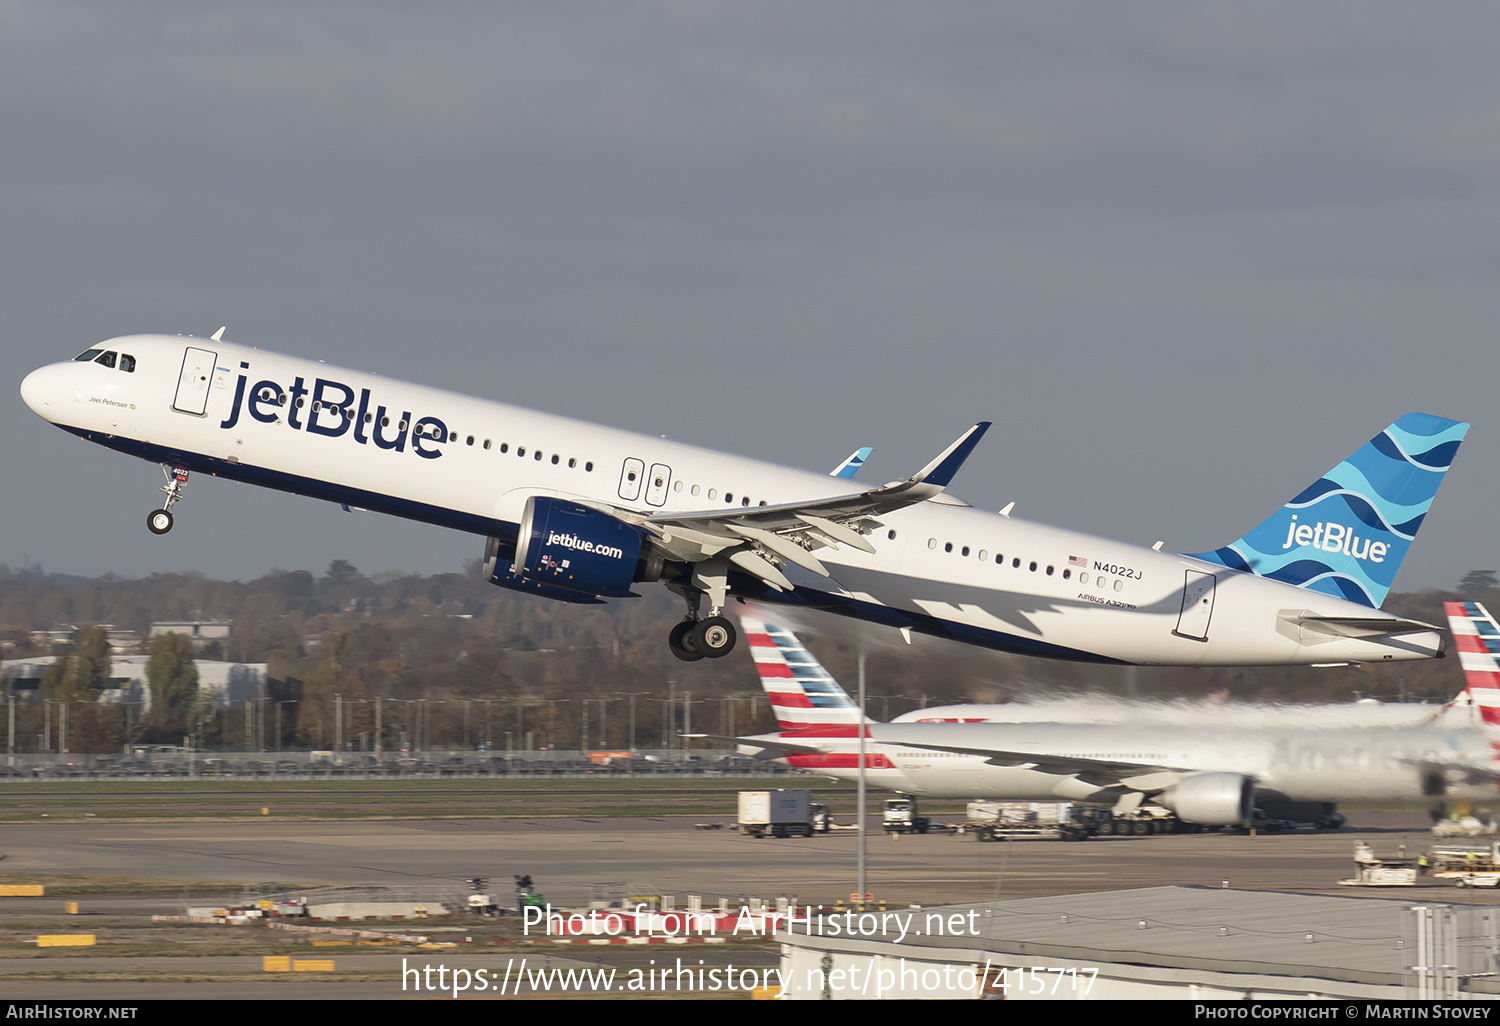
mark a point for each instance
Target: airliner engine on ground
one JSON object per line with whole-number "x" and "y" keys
{"x": 580, "y": 513}
{"x": 1206, "y": 775}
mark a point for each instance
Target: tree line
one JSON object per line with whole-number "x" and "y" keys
{"x": 447, "y": 661}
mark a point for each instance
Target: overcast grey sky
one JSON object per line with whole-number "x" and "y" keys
{"x": 1185, "y": 256}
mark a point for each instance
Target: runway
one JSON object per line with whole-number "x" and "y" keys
{"x": 205, "y": 863}
{"x": 667, "y": 855}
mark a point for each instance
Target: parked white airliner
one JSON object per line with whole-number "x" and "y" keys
{"x": 580, "y": 513}
{"x": 1205, "y": 775}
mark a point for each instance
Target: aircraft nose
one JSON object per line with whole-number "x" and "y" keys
{"x": 39, "y": 390}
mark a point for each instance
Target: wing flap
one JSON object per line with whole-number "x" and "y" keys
{"x": 771, "y": 533}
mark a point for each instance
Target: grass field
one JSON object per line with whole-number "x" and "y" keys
{"x": 144, "y": 801}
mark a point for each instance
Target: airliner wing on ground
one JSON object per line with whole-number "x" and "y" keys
{"x": 1209, "y": 774}
{"x": 578, "y": 512}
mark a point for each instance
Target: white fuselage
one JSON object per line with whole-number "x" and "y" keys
{"x": 940, "y": 567}
{"x": 1328, "y": 764}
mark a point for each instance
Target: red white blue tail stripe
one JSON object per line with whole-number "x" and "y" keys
{"x": 803, "y": 694}
{"x": 1477, "y": 639}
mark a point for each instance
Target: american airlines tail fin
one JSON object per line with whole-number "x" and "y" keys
{"x": 802, "y": 692}
{"x": 1347, "y": 533}
{"x": 1477, "y": 639}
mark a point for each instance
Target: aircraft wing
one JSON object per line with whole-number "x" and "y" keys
{"x": 1458, "y": 770}
{"x": 761, "y": 540}
{"x": 1102, "y": 772}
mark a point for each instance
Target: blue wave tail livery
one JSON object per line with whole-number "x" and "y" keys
{"x": 1347, "y": 533}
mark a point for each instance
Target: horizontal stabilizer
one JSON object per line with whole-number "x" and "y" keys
{"x": 1355, "y": 626}
{"x": 765, "y": 744}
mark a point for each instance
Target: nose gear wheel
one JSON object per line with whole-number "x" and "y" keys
{"x": 159, "y": 521}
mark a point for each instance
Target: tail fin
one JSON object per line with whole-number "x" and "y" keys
{"x": 1347, "y": 534}
{"x": 802, "y": 692}
{"x": 1477, "y": 639}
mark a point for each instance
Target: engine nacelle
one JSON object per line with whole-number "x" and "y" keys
{"x": 1212, "y": 799}
{"x": 569, "y": 551}
{"x": 500, "y": 571}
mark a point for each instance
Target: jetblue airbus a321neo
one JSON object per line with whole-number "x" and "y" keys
{"x": 582, "y": 513}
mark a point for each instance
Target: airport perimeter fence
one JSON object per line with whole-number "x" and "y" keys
{"x": 157, "y": 763}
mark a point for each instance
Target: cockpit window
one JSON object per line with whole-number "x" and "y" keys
{"x": 127, "y": 363}
{"x": 87, "y": 355}
{"x": 108, "y": 359}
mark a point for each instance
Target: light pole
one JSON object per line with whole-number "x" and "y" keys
{"x": 604, "y": 721}
{"x": 863, "y": 730}
{"x": 631, "y": 695}
{"x": 285, "y": 701}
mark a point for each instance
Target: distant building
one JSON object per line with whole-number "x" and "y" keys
{"x": 198, "y": 630}
{"x": 230, "y": 684}
{"x": 120, "y": 641}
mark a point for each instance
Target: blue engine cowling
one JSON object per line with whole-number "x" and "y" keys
{"x": 501, "y": 571}
{"x": 571, "y": 551}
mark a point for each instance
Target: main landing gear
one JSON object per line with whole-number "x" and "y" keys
{"x": 159, "y": 521}
{"x": 712, "y": 637}
{"x": 692, "y": 640}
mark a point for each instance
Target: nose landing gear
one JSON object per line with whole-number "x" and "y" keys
{"x": 159, "y": 521}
